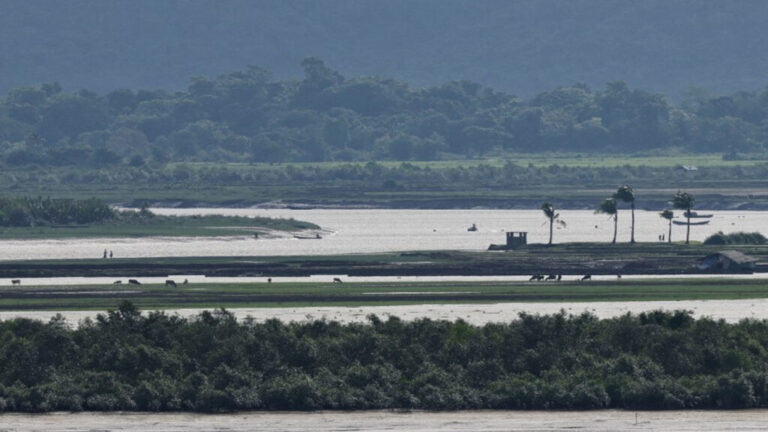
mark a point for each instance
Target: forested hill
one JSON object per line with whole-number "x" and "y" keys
{"x": 248, "y": 117}
{"x": 520, "y": 47}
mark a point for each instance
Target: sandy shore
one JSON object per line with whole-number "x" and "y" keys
{"x": 380, "y": 421}
{"x": 729, "y": 310}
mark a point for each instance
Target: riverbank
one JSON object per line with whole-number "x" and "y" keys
{"x": 565, "y": 259}
{"x": 163, "y": 226}
{"x": 298, "y": 294}
{"x": 414, "y": 421}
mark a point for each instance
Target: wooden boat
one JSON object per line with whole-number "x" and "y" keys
{"x": 695, "y": 215}
{"x": 692, "y": 223}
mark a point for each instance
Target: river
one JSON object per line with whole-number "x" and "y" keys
{"x": 381, "y": 421}
{"x": 383, "y": 230}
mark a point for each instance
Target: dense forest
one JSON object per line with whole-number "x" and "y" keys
{"x": 248, "y": 117}
{"x": 128, "y": 361}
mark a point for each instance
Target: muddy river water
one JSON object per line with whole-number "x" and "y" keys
{"x": 383, "y": 230}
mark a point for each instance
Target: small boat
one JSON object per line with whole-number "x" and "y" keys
{"x": 473, "y": 228}
{"x": 695, "y": 215}
{"x": 692, "y": 223}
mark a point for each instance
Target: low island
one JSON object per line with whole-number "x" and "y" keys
{"x": 46, "y": 218}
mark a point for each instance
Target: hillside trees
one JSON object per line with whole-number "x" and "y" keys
{"x": 247, "y": 116}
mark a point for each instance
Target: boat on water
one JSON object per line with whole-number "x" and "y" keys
{"x": 694, "y": 215}
{"x": 692, "y": 223}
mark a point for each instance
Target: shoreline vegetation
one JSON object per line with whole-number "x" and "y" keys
{"x": 575, "y": 181}
{"x": 47, "y": 218}
{"x": 31, "y": 297}
{"x": 564, "y": 258}
{"x": 128, "y": 361}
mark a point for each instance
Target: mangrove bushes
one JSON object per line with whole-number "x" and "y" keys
{"x": 128, "y": 361}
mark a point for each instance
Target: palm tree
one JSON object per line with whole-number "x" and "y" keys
{"x": 549, "y": 212}
{"x": 626, "y": 194}
{"x": 684, "y": 201}
{"x": 668, "y": 215}
{"x": 610, "y": 207}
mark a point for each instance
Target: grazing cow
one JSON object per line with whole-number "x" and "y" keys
{"x": 170, "y": 283}
{"x": 337, "y": 280}
{"x": 117, "y": 282}
{"x": 587, "y": 277}
{"x": 536, "y": 277}
{"x": 551, "y": 277}
{"x": 559, "y": 277}
{"x": 134, "y": 282}
{"x": 16, "y": 282}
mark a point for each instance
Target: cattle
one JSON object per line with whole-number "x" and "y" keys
{"x": 559, "y": 277}
{"x": 587, "y": 277}
{"x": 117, "y": 282}
{"x": 170, "y": 283}
{"x": 16, "y": 282}
{"x": 536, "y": 277}
{"x": 134, "y": 282}
{"x": 337, "y": 280}
{"x": 551, "y": 277}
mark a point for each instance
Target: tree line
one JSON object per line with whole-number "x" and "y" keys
{"x": 125, "y": 360}
{"x": 610, "y": 206}
{"x": 247, "y": 116}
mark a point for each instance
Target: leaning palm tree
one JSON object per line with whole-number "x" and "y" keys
{"x": 684, "y": 201}
{"x": 626, "y": 194}
{"x": 668, "y": 215}
{"x": 610, "y": 208}
{"x": 549, "y": 212}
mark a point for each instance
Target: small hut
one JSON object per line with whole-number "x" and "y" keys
{"x": 727, "y": 260}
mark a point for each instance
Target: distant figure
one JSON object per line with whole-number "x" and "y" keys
{"x": 559, "y": 277}
{"x": 618, "y": 276}
{"x": 551, "y": 277}
{"x": 317, "y": 236}
{"x": 185, "y": 282}
{"x": 170, "y": 283}
{"x": 117, "y": 282}
{"x": 134, "y": 282}
{"x": 105, "y": 254}
{"x": 337, "y": 280}
{"x": 111, "y": 254}
{"x": 269, "y": 280}
{"x": 587, "y": 277}
{"x": 16, "y": 282}
{"x": 536, "y": 277}
{"x": 472, "y": 228}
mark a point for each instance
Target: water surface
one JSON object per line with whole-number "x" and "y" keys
{"x": 383, "y": 230}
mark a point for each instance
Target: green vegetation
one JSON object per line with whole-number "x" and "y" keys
{"x": 124, "y": 360}
{"x": 739, "y": 238}
{"x": 62, "y": 218}
{"x": 248, "y": 117}
{"x": 298, "y": 294}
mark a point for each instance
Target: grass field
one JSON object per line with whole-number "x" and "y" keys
{"x": 525, "y": 159}
{"x": 167, "y": 226}
{"x": 214, "y": 295}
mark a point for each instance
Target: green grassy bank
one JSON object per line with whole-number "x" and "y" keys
{"x": 230, "y": 295}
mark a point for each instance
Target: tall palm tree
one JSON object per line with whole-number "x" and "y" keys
{"x": 668, "y": 215}
{"x": 610, "y": 207}
{"x": 684, "y": 201}
{"x": 626, "y": 194}
{"x": 549, "y": 212}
